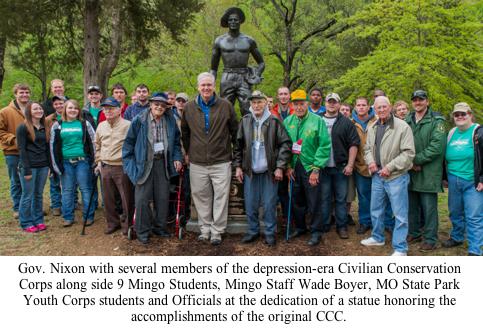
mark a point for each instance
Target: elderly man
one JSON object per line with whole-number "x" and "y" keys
{"x": 110, "y": 137}
{"x": 427, "y": 172}
{"x": 209, "y": 128}
{"x": 261, "y": 156}
{"x": 151, "y": 155}
{"x": 311, "y": 151}
{"x": 343, "y": 152}
{"x": 389, "y": 153}
{"x": 10, "y": 118}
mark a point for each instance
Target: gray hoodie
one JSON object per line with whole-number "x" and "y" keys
{"x": 259, "y": 158}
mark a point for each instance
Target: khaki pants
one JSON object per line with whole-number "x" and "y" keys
{"x": 210, "y": 188}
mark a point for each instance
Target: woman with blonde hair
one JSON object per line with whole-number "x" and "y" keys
{"x": 73, "y": 152}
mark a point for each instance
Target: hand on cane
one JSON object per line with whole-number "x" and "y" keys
{"x": 239, "y": 174}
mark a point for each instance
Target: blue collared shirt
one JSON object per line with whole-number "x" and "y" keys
{"x": 205, "y": 107}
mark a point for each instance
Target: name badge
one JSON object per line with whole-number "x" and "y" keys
{"x": 257, "y": 145}
{"x": 158, "y": 147}
{"x": 297, "y": 147}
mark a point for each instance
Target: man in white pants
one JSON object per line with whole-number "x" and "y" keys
{"x": 209, "y": 128}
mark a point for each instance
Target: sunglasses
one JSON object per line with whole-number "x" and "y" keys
{"x": 460, "y": 114}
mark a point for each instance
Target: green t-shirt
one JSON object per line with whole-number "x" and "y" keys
{"x": 95, "y": 113}
{"x": 71, "y": 135}
{"x": 460, "y": 154}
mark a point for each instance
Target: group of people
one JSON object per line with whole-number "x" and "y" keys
{"x": 312, "y": 155}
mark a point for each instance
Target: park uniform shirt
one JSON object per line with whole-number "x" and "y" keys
{"x": 460, "y": 154}
{"x": 109, "y": 141}
{"x": 72, "y": 143}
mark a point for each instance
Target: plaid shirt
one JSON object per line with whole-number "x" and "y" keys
{"x": 157, "y": 129}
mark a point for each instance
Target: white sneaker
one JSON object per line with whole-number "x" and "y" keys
{"x": 371, "y": 242}
{"x": 396, "y": 253}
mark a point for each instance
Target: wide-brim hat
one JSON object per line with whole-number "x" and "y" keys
{"x": 228, "y": 12}
{"x": 159, "y": 97}
{"x": 462, "y": 106}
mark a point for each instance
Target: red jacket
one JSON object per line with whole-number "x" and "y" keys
{"x": 277, "y": 114}
{"x": 102, "y": 117}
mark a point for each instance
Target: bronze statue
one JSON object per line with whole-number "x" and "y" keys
{"x": 235, "y": 49}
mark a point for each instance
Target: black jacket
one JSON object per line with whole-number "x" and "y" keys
{"x": 276, "y": 140}
{"x": 88, "y": 135}
{"x": 478, "y": 146}
{"x": 33, "y": 154}
{"x": 344, "y": 136}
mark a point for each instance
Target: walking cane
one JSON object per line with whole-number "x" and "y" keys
{"x": 83, "y": 232}
{"x": 289, "y": 218}
{"x": 178, "y": 229}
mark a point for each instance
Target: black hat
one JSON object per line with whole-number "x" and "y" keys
{"x": 94, "y": 88}
{"x": 419, "y": 93}
{"x": 110, "y": 102}
{"x": 161, "y": 97}
{"x": 228, "y": 12}
{"x": 57, "y": 98}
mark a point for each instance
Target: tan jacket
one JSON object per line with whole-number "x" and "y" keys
{"x": 109, "y": 141}
{"x": 10, "y": 118}
{"x": 360, "y": 164}
{"x": 397, "y": 147}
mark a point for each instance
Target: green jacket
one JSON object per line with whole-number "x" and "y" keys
{"x": 315, "y": 140}
{"x": 430, "y": 142}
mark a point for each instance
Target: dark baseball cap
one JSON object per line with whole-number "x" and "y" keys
{"x": 110, "y": 102}
{"x": 94, "y": 88}
{"x": 419, "y": 93}
{"x": 57, "y": 98}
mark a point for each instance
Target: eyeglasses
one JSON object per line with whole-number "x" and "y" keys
{"x": 460, "y": 114}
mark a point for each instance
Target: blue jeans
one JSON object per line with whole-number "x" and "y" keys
{"x": 15, "y": 186}
{"x": 395, "y": 192}
{"x": 77, "y": 173}
{"x": 333, "y": 181}
{"x": 364, "y": 186}
{"x": 31, "y": 211}
{"x": 466, "y": 212}
{"x": 260, "y": 190}
{"x": 55, "y": 191}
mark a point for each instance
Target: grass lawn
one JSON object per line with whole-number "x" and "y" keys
{"x": 57, "y": 240}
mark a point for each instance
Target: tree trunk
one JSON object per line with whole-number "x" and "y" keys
{"x": 91, "y": 44}
{"x": 112, "y": 58}
{"x": 3, "y": 48}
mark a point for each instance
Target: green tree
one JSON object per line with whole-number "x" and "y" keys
{"x": 431, "y": 45}
{"x": 298, "y": 33}
{"x": 117, "y": 29}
